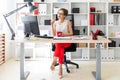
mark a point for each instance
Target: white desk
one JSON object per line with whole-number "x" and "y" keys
{"x": 98, "y": 55}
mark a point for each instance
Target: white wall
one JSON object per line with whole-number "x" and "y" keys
{"x": 6, "y": 8}
{"x": 11, "y": 5}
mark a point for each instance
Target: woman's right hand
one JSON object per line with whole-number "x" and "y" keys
{"x": 53, "y": 27}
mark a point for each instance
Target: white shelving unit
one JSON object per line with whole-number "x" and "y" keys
{"x": 114, "y": 29}
{"x": 81, "y": 18}
{"x": 104, "y": 20}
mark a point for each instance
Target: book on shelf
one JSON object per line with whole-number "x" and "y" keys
{"x": 91, "y": 18}
{"x": 97, "y": 19}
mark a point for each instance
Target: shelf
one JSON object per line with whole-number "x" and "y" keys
{"x": 98, "y": 25}
{"x": 80, "y": 13}
{"x": 60, "y": 3}
{"x": 114, "y": 47}
{"x": 99, "y": 12}
{"x": 1, "y": 39}
{"x": 79, "y": 2}
{"x": 113, "y": 25}
{"x": 114, "y": 37}
{"x": 1, "y": 59}
{"x": 44, "y": 15}
{"x": 1, "y": 53}
{"x": 43, "y": 2}
{"x": 95, "y": 48}
{"x": 81, "y": 25}
{"x": 114, "y": 2}
{"x": 1, "y": 62}
{"x": 97, "y": 2}
{"x": 1, "y": 56}
{"x": 82, "y": 48}
{"x": 2, "y": 46}
{"x": 114, "y": 14}
{"x": 1, "y": 49}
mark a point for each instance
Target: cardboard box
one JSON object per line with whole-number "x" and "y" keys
{"x": 82, "y": 45}
{"x": 92, "y": 45}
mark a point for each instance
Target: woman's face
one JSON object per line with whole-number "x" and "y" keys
{"x": 60, "y": 14}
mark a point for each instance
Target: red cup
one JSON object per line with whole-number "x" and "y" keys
{"x": 59, "y": 33}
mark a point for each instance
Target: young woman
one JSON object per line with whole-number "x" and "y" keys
{"x": 64, "y": 26}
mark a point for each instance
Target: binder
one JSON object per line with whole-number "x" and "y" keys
{"x": 91, "y": 18}
{"x": 85, "y": 54}
{"x": 68, "y": 55}
{"x": 111, "y": 54}
{"x": 104, "y": 54}
{"x": 111, "y": 19}
{"x": 96, "y": 19}
{"x": 42, "y": 9}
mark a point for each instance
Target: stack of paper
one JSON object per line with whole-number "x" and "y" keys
{"x": 62, "y": 38}
{"x": 81, "y": 38}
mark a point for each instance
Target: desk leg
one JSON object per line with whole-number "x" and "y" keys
{"x": 98, "y": 62}
{"x": 22, "y": 61}
{"x": 23, "y": 75}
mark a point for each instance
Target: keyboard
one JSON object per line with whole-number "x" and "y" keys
{"x": 39, "y": 36}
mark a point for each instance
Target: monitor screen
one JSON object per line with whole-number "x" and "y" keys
{"x": 28, "y": 0}
{"x": 30, "y": 25}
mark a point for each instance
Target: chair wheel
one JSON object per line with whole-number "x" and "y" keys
{"x": 77, "y": 66}
{"x": 68, "y": 71}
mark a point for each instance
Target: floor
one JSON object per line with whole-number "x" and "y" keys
{"x": 40, "y": 70}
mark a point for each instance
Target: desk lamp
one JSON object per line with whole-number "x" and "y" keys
{"x": 31, "y": 9}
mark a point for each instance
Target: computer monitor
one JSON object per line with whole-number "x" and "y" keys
{"x": 30, "y": 25}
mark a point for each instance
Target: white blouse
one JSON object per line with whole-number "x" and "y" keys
{"x": 62, "y": 27}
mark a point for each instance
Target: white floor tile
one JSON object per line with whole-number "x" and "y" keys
{"x": 40, "y": 70}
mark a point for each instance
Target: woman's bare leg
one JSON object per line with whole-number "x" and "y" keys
{"x": 52, "y": 67}
{"x": 60, "y": 71}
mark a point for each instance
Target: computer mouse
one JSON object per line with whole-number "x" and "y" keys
{"x": 45, "y": 35}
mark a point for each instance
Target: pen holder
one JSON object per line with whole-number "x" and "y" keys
{"x": 94, "y": 35}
